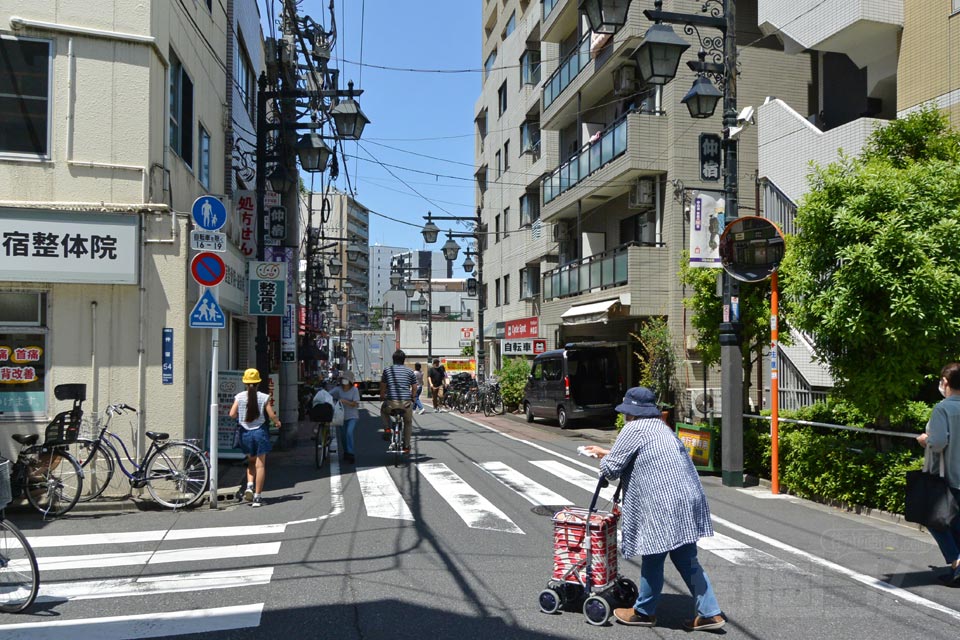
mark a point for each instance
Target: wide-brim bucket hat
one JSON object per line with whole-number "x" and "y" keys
{"x": 634, "y": 399}
{"x": 251, "y": 376}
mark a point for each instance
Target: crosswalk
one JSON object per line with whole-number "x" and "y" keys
{"x": 249, "y": 551}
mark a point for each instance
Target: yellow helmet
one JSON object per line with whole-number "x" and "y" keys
{"x": 251, "y": 376}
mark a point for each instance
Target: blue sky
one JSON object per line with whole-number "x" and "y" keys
{"x": 423, "y": 113}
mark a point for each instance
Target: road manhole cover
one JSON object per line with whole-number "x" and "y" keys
{"x": 547, "y": 509}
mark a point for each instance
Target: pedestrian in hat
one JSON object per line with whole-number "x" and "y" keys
{"x": 664, "y": 510}
{"x": 251, "y": 408}
{"x": 349, "y": 397}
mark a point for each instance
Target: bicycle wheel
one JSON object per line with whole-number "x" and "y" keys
{"x": 98, "y": 467}
{"x": 323, "y": 444}
{"x": 54, "y": 482}
{"x": 19, "y": 575}
{"x": 397, "y": 441}
{"x": 177, "y": 474}
{"x": 496, "y": 405}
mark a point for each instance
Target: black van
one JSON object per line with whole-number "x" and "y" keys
{"x": 580, "y": 381}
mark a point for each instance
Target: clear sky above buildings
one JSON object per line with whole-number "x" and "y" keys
{"x": 414, "y": 114}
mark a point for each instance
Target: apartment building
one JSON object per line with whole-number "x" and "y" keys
{"x": 583, "y": 176}
{"x": 381, "y": 262}
{"x": 116, "y": 116}
{"x": 871, "y": 61}
{"x": 349, "y": 220}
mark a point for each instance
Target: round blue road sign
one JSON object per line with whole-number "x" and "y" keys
{"x": 209, "y": 213}
{"x": 208, "y": 269}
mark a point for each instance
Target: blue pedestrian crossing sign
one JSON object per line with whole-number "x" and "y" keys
{"x": 209, "y": 213}
{"x": 207, "y": 314}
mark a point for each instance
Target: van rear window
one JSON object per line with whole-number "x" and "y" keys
{"x": 593, "y": 362}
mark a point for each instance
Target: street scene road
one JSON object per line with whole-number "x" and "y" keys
{"x": 457, "y": 543}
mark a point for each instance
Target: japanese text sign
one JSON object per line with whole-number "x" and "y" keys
{"x": 710, "y": 146}
{"x": 522, "y": 328}
{"x": 246, "y": 208}
{"x": 268, "y": 288}
{"x": 22, "y": 367}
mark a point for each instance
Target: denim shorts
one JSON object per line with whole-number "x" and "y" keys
{"x": 256, "y": 442}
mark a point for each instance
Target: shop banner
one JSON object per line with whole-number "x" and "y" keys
{"x": 68, "y": 246}
{"x": 23, "y": 364}
{"x": 706, "y": 225}
{"x": 246, "y": 209}
{"x": 454, "y": 365}
{"x": 522, "y": 329}
{"x": 229, "y": 384}
{"x": 523, "y": 347}
{"x": 268, "y": 288}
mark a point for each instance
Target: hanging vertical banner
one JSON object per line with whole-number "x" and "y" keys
{"x": 706, "y": 225}
{"x": 167, "y": 355}
{"x": 710, "y": 145}
{"x": 246, "y": 208}
{"x": 288, "y": 335}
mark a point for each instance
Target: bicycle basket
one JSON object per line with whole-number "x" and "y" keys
{"x": 6, "y": 494}
{"x": 63, "y": 429}
{"x": 321, "y": 412}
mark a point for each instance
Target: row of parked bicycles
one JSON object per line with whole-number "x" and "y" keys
{"x": 468, "y": 395}
{"x": 76, "y": 461}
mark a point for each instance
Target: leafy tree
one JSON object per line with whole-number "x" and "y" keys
{"x": 873, "y": 273}
{"x": 513, "y": 379}
{"x": 467, "y": 351}
{"x": 707, "y": 308}
{"x": 658, "y": 360}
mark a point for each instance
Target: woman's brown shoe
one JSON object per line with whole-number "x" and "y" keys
{"x": 630, "y": 617}
{"x": 705, "y": 624}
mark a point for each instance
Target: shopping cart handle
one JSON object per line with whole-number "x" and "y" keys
{"x": 604, "y": 483}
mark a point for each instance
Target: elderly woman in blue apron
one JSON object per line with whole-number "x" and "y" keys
{"x": 664, "y": 511}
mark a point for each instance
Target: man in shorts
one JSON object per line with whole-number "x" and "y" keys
{"x": 398, "y": 388}
{"x": 437, "y": 377}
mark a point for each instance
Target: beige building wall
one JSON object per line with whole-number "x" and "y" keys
{"x": 109, "y": 153}
{"x": 929, "y": 68}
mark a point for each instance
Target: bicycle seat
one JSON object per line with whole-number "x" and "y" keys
{"x": 156, "y": 435}
{"x": 397, "y": 411}
{"x": 26, "y": 440}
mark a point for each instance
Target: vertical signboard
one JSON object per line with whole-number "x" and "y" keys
{"x": 706, "y": 225}
{"x": 167, "y": 355}
{"x": 268, "y": 289}
{"x": 288, "y": 335}
{"x": 246, "y": 208}
{"x": 710, "y": 145}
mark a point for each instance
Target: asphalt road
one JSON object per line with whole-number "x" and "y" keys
{"x": 443, "y": 547}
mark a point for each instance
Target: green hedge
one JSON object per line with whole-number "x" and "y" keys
{"x": 830, "y": 465}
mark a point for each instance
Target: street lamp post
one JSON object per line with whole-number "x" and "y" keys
{"x": 657, "y": 60}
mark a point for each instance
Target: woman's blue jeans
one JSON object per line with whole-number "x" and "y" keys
{"x": 685, "y": 560}
{"x": 349, "y": 424}
{"x": 416, "y": 401}
{"x": 949, "y": 540}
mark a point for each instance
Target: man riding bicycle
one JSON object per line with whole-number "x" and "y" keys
{"x": 398, "y": 388}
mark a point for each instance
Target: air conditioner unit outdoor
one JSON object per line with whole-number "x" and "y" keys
{"x": 704, "y": 402}
{"x": 559, "y": 233}
{"x": 641, "y": 194}
{"x": 625, "y": 80}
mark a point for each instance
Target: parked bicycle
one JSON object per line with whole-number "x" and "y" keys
{"x": 490, "y": 399}
{"x": 46, "y": 473}
{"x": 19, "y": 574}
{"x": 175, "y": 472}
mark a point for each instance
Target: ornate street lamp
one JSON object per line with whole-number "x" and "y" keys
{"x": 335, "y": 266}
{"x": 605, "y": 16}
{"x": 702, "y": 98}
{"x": 430, "y": 232}
{"x": 450, "y": 249}
{"x": 353, "y": 251}
{"x": 395, "y": 278}
{"x": 468, "y": 265}
{"x": 280, "y": 180}
{"x": 659, "y": 54}
{"x": 313, "y": 152}
{"x": 348, "y": 119}
{"x": 409, "y": 288}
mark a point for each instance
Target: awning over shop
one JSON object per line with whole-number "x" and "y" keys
{"x": 589, "y": 313}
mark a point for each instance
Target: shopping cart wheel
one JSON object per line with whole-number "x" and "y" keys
{"x": 627, "y": 591}
{"x": 550, "y": 601}
{"x": 596, "y": 610}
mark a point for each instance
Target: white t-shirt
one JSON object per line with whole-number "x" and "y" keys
{"x": 241, "y": 399}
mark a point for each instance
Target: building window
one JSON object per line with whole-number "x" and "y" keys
{"x": 641, "y": 228}
{"x": 482, "y": 179}
{"x": 529, "y": 209}
{"x": 204, "y": 152}
{"x": 25, "y": 70}
{"x": 488, "y": 65}
{"x": 483, "y": 296}
{"x": 181, "y": 111}
{"x": 246, "y": 79}
{"x": 530, "y": 67}
{"x": 502, "y": 99}
{"x": 506, "y": 155}
{"x": 499, "y": 164}
{"x": 956, "y": 6}
{"x": 511, "y": 25}
{"x": 529, "y": 282}
{"x": 506, "y": 222}
{"x": 496, "y": 291}
{"x": 23, "y": 357}
{"x": 506, "y": 289}
{"x": 530, "y": 138}
{"x": 496, "y": 229}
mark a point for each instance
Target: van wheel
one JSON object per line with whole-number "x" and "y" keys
{"x": 562, "y": 417}
{"x": 528, "y": 410}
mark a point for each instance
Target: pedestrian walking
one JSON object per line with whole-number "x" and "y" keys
{"x": 251, "y": 408}
{"x": 938, "y": 438}
{"x": 418, "y": 374}
{"x": 665, "y": 510}
{"x": 349, "y": 397}
{"x": 398, "y": 386}
{"x": 437, "y": 377}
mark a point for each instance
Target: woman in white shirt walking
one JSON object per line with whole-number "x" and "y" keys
{"x": 251, "y": 408}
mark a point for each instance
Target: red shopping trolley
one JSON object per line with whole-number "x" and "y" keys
{"x": 585, "y": 573}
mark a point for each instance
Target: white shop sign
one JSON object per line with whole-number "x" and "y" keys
{"x": 68, "y": 246}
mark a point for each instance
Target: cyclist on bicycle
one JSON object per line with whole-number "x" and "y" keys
{"x": 398, "y": 388}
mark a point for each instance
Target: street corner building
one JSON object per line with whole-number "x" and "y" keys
{"x": 112, "y": 123}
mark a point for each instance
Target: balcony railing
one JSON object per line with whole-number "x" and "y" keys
{"x": 570, "y": 67}
{"x": 548, "y": 6}
{"x": 611, "y": 144}
{"x": 599, "y": 271}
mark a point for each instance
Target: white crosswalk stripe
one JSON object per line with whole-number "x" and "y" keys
{"x": 473, "y": 508}
{"x": 533, "y": 492}
{"x": 147, "y": 585}
{"x": 742, "y": 554}
{"x": 575, "y": 477}
{"x": 381, "y": 497}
